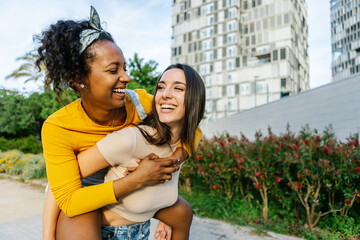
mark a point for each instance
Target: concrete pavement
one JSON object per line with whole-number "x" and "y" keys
{"x": 21, "y": 208}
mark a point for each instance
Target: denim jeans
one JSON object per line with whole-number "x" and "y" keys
{"x": 135, "y": 231}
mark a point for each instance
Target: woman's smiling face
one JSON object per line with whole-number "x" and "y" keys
{"x": 107, "y": 80}
{"x": 170, "y": 98}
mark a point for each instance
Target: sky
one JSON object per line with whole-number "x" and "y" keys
{"x": 138, "y": 26}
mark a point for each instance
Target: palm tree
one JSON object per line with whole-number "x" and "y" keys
{"x": 28, "y": 69}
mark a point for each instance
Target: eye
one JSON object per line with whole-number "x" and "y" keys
{"x": 160, "y": 86}
{"x": 113, "y": 71}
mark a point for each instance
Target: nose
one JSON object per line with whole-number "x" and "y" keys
{"x": 124, "y": 77}
{"x": 167, "y": 93}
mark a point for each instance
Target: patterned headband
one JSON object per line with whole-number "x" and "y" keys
{"x": 88, "y": 36}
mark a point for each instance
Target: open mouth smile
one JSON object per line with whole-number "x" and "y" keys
{"x": 167, "y": 106}
{"x": 118, "y": 90}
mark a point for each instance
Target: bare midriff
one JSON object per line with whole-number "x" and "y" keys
{"x": 109, "y": 218}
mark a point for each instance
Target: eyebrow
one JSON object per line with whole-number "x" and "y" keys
{"x": 176, "y": 82}
{"x": 116, "y": 63}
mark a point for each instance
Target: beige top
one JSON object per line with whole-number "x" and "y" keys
{"x": 121, "y": 149}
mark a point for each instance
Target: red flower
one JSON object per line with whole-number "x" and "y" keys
{"x": 236, "y": 155}
{"x": 200, "y": 170}
{"x": 236, "y": 169}
{"x": 229, "y": 139}
{"x": 285, "y": 137}
{"x": 241, "y": 161}
{"x": 317, "y": 138}
{"x": 202, "y": 148}
{"x": 356, "y": 143}
{"x": 277, "y": 180}
{"x": 263, "y": 150}
{"x": 357, "y": 170}
{"x": 295, "y": 147}
{"x": 258, "y": 185}
{"x": 258, "y": 174}
{"x": 222, "y": 143}
{"x": 300, "y": 175}
{"x": 306, "y": 141}
{"x": 216, "y": 187}
{"x": 208, "y": 155}
{"x": 326, "y": 149}
{"x": 278, "y": 148}
{"x": 348, "y": 202}
{"x": 211, "y": 165}
{"x": 241, "y": 168}
{"x": 280, "y": 198}
{"x": 350, "y": 143}
{"x": 298, "y": 185}
{"x": 199, "y": 157}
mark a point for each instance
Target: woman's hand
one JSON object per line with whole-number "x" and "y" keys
{"x": 163, "y": 231}
{"x": 154, "y": 170}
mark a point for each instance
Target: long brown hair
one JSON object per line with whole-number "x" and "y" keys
{"x": 194, "y": 111}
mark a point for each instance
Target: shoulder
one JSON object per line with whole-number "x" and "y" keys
{"x": 65, "y": 114}
{"x": 145, "y": 99}
{"x": 119, "y": 141}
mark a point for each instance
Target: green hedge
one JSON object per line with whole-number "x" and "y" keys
{"x": 308, "y": 176}
{"x": 26, "y": 144}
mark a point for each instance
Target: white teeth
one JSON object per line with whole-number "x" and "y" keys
{"x": 167, "y": 106}
{"x": 119, "y": 90}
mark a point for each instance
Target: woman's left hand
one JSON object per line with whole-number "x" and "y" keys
{"x": 163, "y": 231}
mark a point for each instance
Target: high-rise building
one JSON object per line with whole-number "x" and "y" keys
{"x": 248, "y": 52}
{"x": 345, "y": 38}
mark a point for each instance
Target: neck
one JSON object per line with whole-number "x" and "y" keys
{"x": 175, "y": 134}
{"x": 104, "y": 117}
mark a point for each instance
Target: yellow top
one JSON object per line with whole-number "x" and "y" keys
{"x": 68, "y": 132}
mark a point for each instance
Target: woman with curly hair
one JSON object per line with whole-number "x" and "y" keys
{"x": 84, "y": 57}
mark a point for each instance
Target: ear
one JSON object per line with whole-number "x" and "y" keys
{"x": 79, "y": 86}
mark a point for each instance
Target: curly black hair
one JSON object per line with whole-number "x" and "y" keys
{"x": 59, "y": 52}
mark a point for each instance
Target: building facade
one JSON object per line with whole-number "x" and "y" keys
{"x": 248, "y": 52}
{"x": 345, "y": 38}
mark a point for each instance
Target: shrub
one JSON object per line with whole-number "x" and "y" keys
{"x": 307, "y": 176}
{"x": 28, "y": 166}
{"x": 27, "y": 144}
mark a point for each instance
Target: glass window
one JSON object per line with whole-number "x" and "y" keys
{"x": 265, "y": 24}
{"x": 261, "y": 87}
{"x": 253, "y": 40}
{"x": 230, "y": 91}
{"x": 283, "y": 83}
{"x": 282, "y": 53}
{"x": 286, "y": 18}
{"x": 279, "y": 20}
{"x": 275, "y": 55}
{"x": 245, "y": 88}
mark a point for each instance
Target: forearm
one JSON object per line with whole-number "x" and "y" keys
{"x": 50, "y": 215}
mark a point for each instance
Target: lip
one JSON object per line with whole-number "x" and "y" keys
{"x": 119, "y": 90}
{"x": 167, "y": 104}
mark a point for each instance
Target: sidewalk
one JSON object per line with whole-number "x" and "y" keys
{"x": 21, "y": 208}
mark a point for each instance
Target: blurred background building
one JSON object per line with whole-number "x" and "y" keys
{"x": 345, "y": 38}
{"x": 249, "y": 52}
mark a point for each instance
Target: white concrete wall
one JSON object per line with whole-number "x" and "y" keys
{"x": 337, "y": 103}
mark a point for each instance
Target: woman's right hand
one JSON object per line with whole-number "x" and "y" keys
{"x": 153, "y": 170}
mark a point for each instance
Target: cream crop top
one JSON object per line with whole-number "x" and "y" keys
{"x": 121, "y": 149}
